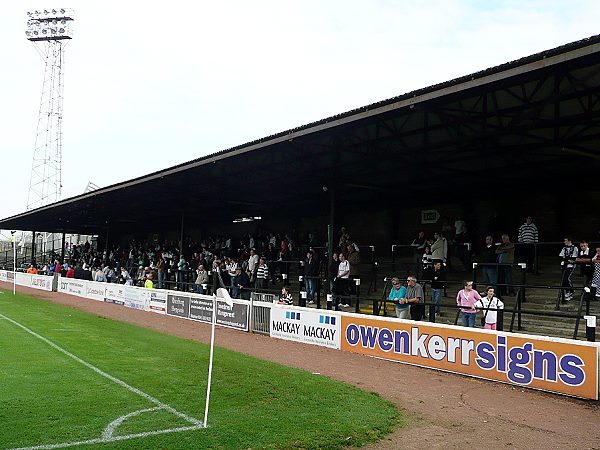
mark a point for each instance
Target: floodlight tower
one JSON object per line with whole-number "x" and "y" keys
{"x": 49, "y": 30}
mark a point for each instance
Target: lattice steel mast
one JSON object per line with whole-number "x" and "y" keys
{"x": 49, "y": 30}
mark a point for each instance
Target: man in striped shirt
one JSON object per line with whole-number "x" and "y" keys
{"x": 528, "y": 237}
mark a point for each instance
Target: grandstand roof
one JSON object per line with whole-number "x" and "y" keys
{"x": 527, "y": 121}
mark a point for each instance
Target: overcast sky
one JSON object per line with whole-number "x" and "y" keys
{"x": 148, "y": 87}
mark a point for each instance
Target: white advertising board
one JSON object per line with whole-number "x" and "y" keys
{"x": 135, "y": 297}
{"x": 95, "y": 290}
{"x": 72, "y": 286}
{"x": 306, "y": 325}
{"x": 157, "y": 302}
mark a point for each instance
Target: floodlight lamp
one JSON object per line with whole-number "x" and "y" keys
{"x": 53, "y": 11}
{"x": 61, "y": 30}
{"x": 62, "y": 10}
{"x": 36, "y": 33}
{"x": 46, "y": 11}
{"x": 44, "y": 31}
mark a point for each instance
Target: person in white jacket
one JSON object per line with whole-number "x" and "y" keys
{"x": 488, "y": 305}
{"x": 439, "y": 248}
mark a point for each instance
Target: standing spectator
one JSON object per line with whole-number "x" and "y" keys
{"x": 416, "y": 298}
{"x": 341, "y": 280}
{"x": 506, "y": 257}
{"x": 333, "y": 270}
{"x": 427, "y": 259}
{"x": 439, "y": 248}
{"x": 242, "y": 284}
{"x": 568, "y": 255}
{"x": 160, "y": 269}
{"x": 201, "y": 278}
{"x": 262, "y": 273}
{"x": 585, "y": 261}
{"x": 397, "y": 296}
{"x": 490, "y": 316}
{"x": 528, "y": 237}
{"x": 488, "y": 256}
{"x": 311, "y": 274}
{"x": 466, "y": 299}
{"x": 182, "y": 267}
{"x": 437, "y": 276}
{"x": 252, "y": 265}
{"x": 231, "y": 268}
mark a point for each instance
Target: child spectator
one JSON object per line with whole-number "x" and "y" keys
{"x": 490, "y": 316}
{"x": 285, "y": 298}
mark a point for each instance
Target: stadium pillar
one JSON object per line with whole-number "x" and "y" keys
{"x": 106, "y": 251}
{"x": 62, "y": 248}
{"x": 181, "y": 235}
{"x": 33, "y": 247}
{"x": 330, "y": 229}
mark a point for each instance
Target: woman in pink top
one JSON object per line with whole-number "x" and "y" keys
{"x": 466, "y": 298}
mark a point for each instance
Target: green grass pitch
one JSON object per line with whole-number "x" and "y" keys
{"x": 47, "y": 397}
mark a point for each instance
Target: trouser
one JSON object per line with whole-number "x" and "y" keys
{"x": 469, "y": 319}
{"x": 566, "y": 281}
{"x": 311, "y": 284}
{"x": 402, "y": 313}
{"x": 436, "y": 298}
{"x": 490, "y": 275}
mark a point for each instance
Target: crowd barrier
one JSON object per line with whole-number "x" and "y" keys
{"x": 550, "y": 364}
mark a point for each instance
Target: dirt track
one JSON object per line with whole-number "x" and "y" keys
{"x": 452, "y": 411}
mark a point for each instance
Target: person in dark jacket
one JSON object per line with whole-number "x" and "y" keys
{"x": 311, "y": 274}
{"x": 242, "y": 282}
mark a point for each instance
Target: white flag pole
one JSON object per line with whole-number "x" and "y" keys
{"x": 224, "y": 295}
{"x": 210, "y": 360}
{"x": 14, "y": 241}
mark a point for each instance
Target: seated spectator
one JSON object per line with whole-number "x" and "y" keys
{"x": 32, "y": 270}
{"x": 149, "y": 284}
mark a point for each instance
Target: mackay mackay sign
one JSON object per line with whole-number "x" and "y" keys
{"x": 550, "y": 364}
{"x": 304, "y": 325}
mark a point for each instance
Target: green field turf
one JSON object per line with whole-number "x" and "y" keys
{"x": 47, "y": 397}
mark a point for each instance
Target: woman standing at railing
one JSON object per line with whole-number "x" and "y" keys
{"x": 466, "y": 298}
{"x": 397, "y": 296}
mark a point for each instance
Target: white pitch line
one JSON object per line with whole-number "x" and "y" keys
{"x": 126, "y": 437}
{"x": 197, "y": 424}
{"x": 110, "y": 429}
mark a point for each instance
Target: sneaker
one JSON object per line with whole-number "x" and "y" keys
{"x": 345, "y": 305}
{"x": 310, "y": 302}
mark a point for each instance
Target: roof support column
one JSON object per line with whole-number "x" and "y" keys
{"x": 33, "y": 261}
{"x": 330, "y": 229}
{"x": 62, "y": 249}
{"x": 181, "y": 236}
{"x": 106, "y": 248}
